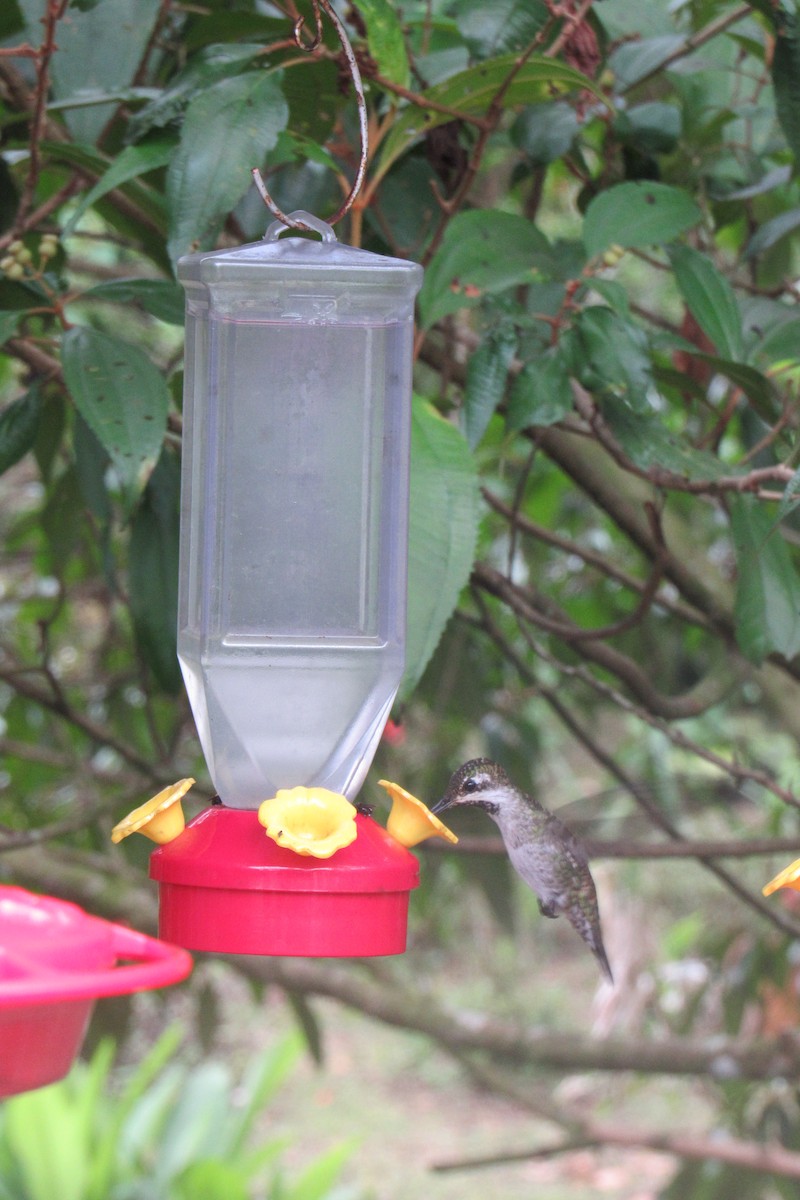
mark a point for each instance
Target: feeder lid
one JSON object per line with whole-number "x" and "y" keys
{"x": 228, "y": 848}
{"x": 273, "y": 254}
{"x": 51, "y": 932}
{"x": 51, "y": 950}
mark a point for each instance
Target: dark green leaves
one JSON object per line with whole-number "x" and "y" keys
{"x": 18, "y": 425}
{"x": 473, "y": 90}
{"x": 122, "y": 397}
{"x": 385, "y": 39}
{"x": 610, "y": 357}
{"x": 487, "y": 372}
{"x": 227, "y": 130}
{"x": 767, "y": 606}
{"x": 541, "y": 393}
{"x": 710, "y": 299}
{"x": 159, "y": 297}
{"x": 482, "y": 251}
{"x": 638, "y": 214}
{"x": 153, "y": 572}
{"x": 443, "y": 524}
{"x": 130, "y": 163}
{"x": 786, "y": 74}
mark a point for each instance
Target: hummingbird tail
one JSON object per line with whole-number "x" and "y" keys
{"x": 602, "y": 958}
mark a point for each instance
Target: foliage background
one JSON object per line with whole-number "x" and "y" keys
{"x": 604, "y": 586}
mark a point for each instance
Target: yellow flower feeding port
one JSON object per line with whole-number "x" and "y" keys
{"x": 410, "y": 821}
{"x": 789, "y": 877}
{"x": 160, "y": 819}
{"x": 310, "y": 821}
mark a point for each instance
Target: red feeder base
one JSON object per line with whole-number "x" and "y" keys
{"x": 55, "y": 961}
{"x": 224, "y": 886}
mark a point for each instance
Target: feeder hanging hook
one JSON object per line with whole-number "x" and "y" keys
{"x": 358, "y": 86}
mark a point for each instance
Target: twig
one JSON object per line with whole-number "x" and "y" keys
{"x": 53, "y": 14}
{"x": 601, "y": 848}
{"x": 694, "y": 42}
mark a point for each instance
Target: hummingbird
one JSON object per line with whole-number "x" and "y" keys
{"x": 548, "y": 857}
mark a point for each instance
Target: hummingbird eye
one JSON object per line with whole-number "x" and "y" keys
{"x": 470, "y": 785}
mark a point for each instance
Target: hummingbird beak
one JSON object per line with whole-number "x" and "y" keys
{"x": 441, "y": 805}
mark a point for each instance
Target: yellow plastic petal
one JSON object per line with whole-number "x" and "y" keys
{"x": 410, "y": 821}
{"x": 788, "y": 877}
{"x": 309, "y": 820}
{"x": 160, "y": 819}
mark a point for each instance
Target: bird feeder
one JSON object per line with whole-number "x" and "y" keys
{"x": 292, "y": 582}
{"x": 55, "y": 961}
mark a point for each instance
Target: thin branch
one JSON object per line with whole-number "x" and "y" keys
{"x": 591, "y": 557}
{"x": 538, "y": 610}
{"x": 601, "y": 848}
{"x": 694, "y": 42}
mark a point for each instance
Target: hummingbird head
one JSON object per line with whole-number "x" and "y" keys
{"x": 479, "y": 782}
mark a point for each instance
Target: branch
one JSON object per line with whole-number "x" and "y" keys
{"x": 694, "y": 42}
{"x": 627, "y": 848}
{"x": 458, "y": 1030}
{"x": 773, "y": 1158}
{"x": 529, "y": 605}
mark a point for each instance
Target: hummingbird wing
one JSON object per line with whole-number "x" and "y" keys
{"x": 554, "y": 864}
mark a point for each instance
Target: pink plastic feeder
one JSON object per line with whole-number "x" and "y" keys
{"x": 55, "y": 961}
{"x": 225, "y": 886}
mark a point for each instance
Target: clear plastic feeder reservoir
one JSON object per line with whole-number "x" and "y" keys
{"x": 294, "y": 507}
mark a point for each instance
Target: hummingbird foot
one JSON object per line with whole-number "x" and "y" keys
{"x": 548, "y": 909}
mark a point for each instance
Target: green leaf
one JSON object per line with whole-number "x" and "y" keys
{"x": 97, "y": 51}
{"x": 633, "y": 60}
{"x": 227, "y": 130}
{"x": 771, "y": 232}
{"x": 710, "y": 299}
{"x": 790, "y": 499}
{"x": 541, "y": 393}
{"x": 61, "y": 519}
{"x": 212, "y": 64}
{"x": 19, "y": 422}
{"x": 385, "y": 39}
{"x": 122, "y": 397}
{"x": 767, "y": 606}
{"x": 487, "y": 373}
{"x": 649, "y": 443}
{"x": 443, "y": 525}
{"x": 482, "y": 251}
{"x": 611, "y": 356}
{"x": 473, "y": 90}
{"x": 153, "y": 573}
{"x": 132, "y": 162}
{"x": 503, "y": 25}
{"x": 317, "y": 1180}
{"x": 760, "y": 390}
{"x": 779, "y": 344}
{"x": 12, "y": 21}
{"x": 786, "y": 75}
{"x": 545, "y": 132}
{"x": 653, "y": 128}
{"x": 308, "y": 1023}
{"x": 160, "y": 297}
{"x": 9, "y": 320}
{"x": 209, "y": 1179}
{"x": 638, "y": 214}
{"x": 146, "y": 198}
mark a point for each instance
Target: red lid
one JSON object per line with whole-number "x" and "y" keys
{"x": 52, "y": 951}
{"x": 50, "y": 932}
{"x": 228, "y": 848}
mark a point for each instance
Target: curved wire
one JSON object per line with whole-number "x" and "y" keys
{"x": 358, "y": 86}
